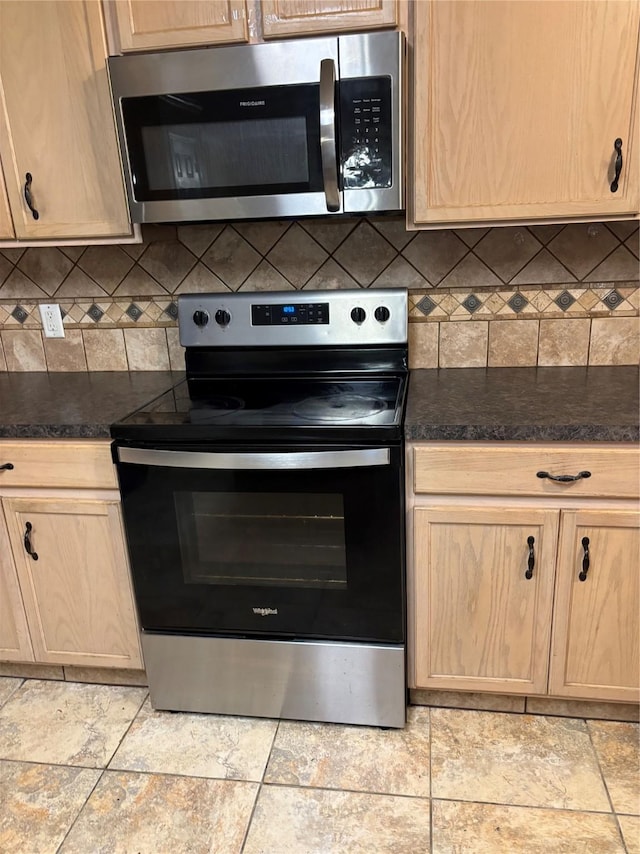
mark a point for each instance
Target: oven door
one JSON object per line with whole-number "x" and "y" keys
{"x": 271, "y": 544}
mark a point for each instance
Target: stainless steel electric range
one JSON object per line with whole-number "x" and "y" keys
{"x": 263, "y": 501}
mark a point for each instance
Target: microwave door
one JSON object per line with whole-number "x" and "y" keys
{"x": 266, "y": 148}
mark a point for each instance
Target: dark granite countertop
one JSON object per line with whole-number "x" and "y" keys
{"x": 552, "y": 404}
{"x": 546, "y": 404}
{"x": 38, "y": 405}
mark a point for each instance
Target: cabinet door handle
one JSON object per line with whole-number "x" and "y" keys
{"x": 27, "y": 541}
{"x": 564, "y": 478}
{"x": 6, "y": 467}
{"x": 531, "y": 559}
{"x": 28, "y": 197}
{"x": 618, "y": 165}
{"x": 585, "y": 560}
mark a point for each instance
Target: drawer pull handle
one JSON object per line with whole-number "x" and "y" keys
{"x": 27, "y": 541}
{"x": 618, "y": 165}
{"x": 585, "y": 560}
{"x": 6, "y": 467}
{"x": 28, "y": 197}
{"x": 531, "y": 560}
{"x": 564, "y": 478}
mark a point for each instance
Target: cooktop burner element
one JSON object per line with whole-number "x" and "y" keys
{"x": 217, "y": 406}
{"x": 338, "y": 407}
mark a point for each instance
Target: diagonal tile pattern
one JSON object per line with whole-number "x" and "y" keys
{"x": 540, "y": 273}
{"x": 186, "y": 782}
{"x": 364, "y": 247}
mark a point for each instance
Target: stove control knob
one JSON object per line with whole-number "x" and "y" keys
{"x": 201, "y": 317}
{"x": 358, "y": 315}
{"x": 382, "y": 313}
{"x": 222, "y": 317}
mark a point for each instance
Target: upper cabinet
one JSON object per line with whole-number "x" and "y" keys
{"x": 148, "y": 24}
{"x": 157, "y": 24}
{"x": 58, "y": 140}
{"x": 300, "y": 17}
{"x": 517, "y": 107}
{"x": 6, "y": 224}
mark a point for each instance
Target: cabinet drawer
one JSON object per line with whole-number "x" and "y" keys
{"x": 57, "y": 463}
{"x": 486, "y": 469}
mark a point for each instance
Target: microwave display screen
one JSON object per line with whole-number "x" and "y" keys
{"x": 251, "y": 152}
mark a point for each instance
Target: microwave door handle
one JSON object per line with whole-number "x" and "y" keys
{"x": 282, "y": 461}
{"x": 328, "y": 134}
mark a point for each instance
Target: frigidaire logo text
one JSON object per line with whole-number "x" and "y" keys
{"x": 252, "y": 103}
{"x": 264, "y": 612}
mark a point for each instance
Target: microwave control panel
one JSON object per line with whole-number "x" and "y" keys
{"x": 365, "y": 127}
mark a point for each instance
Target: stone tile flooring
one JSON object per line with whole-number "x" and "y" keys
{"x": 92, "y": 769}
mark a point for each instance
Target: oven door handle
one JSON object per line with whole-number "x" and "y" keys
{"x": 286, "y": 460}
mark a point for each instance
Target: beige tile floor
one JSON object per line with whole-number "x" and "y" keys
{"x": 92, "y": 769}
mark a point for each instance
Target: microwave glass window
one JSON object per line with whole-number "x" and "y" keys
{"x": 254, "y": 152}
{"x": 200, "y": 145}
{"x": 262, "y": 539}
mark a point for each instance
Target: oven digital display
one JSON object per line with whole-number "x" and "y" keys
{"x": 295, "y": 314}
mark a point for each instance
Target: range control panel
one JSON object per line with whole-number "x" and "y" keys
{"x": 312, "y": 319}
{"x": 292, "y": 313}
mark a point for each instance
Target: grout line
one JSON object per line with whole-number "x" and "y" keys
{"x": 604, "y": 782}
{"x": 259, "y": 789}
{"x": 81, "y": 810}
{"x": 17, "y": 688}
{"x": 403, "y": 795}
{"x": 126, "y": 732}
{"x": 430, "y": 783}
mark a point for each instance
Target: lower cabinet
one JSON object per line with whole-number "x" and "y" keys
{"x": 595, "y": 649}
{"x": 483, "y": 616}
{"x": 523, "y": 596}
{"x": 65, "y": 591}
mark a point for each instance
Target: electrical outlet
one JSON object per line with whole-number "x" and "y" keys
{"x": 52, "y": 320}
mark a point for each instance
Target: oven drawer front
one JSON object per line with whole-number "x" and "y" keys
{"x": 244, "y": 543}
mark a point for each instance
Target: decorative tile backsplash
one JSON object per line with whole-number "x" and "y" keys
{"x": 571, "y": 292}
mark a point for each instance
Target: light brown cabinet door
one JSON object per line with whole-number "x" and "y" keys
{"x": 517, "y": 107}
{"x": 149, "y": 24}
{"x": 480, "y": 623}
{"x": 57, "y": 124}
{"x": 6, "y": 223}
{"x": 596, "y": 636}
{"x": 77, "y": 594}
{"x": 301, "y": 17}
{"x": 15, "y": 644}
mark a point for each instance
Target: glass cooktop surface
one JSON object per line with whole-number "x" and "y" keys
{"x": 287, "y": 402}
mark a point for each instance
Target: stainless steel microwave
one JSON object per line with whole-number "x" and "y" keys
{"x": 286, "y": 129}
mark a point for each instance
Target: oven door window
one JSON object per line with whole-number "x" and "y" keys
{"x": 231, "y": 143}
{"x": 262, "y": 539}
{"x": 312, "y": 553}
